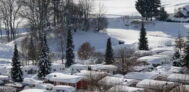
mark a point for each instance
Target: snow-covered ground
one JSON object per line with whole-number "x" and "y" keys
{"x": 161, "y": 35}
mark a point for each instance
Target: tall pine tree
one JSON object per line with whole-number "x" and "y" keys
{"x": 143, "y": 42}
{"x": 109, "y": 57}
{"x": 186, "y": 51}
{"x": 16, "y": 71}
{"x": 69, "y": 50}
{"x": 44, "y": 62}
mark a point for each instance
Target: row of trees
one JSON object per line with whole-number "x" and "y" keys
{"x": 58, "y": 17}
{"x": 44, "y": 61}
{"x": 55, "y": 13}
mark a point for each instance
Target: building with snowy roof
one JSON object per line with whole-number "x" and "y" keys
{"x": 123, "y": 88}
{"x": 156, "y": 85}
{"x": 98, "y": 67}
{"x": 113, "y": 81}
{"x": 181, "y": 78}
{"x": 66, "y": 79}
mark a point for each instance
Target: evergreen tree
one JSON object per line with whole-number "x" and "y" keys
{"x": 69, "y": 50}
{"x": 155, "y": 7}
{"x": 44, "y": 60}
{"x": 109, "y": 57}
{"x": 148, "y": 8}
{"x": 141, "y": 8}
{"x": 143, "y": 42}
{"x": 186, "y": 51}
{"x": 16, "y": 71}
{"x": 162, "y": 14}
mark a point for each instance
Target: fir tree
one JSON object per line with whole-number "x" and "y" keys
{"x": 148, "y": 8}
{"x": 109, "y": 57}
{"x": 186, "y": 56}
{"x": 16, "y": 71}
{"x": 143, "y": 42}
{"x": 69, "y": 50}
{"x": 44, "y": 60}
{"x": 155, "y": 7}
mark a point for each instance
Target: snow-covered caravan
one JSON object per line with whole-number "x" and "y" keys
{"x": 99, "y": 67}
{"x": 33, "y": 90}
{"x": 7, "y": 89}
{"x": 4, "y": 79}
{"x": 112, "y": 81}
{"x": 104, "y": 68}
{"x": 92, "y": 75}
{"x": 31, "y": 82}
{"x": 181, "y": 78}
{"x": 66, "y": 79}
{"x": 63, "y": 88}
{"x": 122, "y": 88}
{"x": 17, "y": 86}
{"x": 181, "y": 88}
{"x": 141, "y": 75}
{"x": 156, "y": 85}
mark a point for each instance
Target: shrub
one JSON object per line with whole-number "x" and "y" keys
{"x": 86, "y": 51}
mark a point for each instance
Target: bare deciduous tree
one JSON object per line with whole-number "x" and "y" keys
{"x": 100, "y": 21}
{"x": 10, "y": 15}
{"x": 127, "y": 59}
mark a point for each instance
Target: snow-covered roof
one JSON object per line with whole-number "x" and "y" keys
{"x": 7, "y": 89}
{"x": 3, "y": 77}
{"x": 167, "y": 69}
{"x": 65, "y": 88}
{"x": 31, "y": 81}
{"x": 14, "y": 84}
{"x": 44, "y": 86}
{"x": 61, "y": 77}
{"x": 112, "y": 81}
{"x": 184, "y": 78}
{"x": 141, "y": 75}
{"x": 121, "y": 88}
{"x": 33, "y": 90}
{"x": 103, "y": 67}
{"x": 154, "y": 59}
{"x": 181, "y": 88}
{"x": 175, "y": 69}
{"x": 79, "y": 66}
{"x": 88, "y": 75}
{"x": 155, "y": 84}
{"x": 94, "y": 67}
